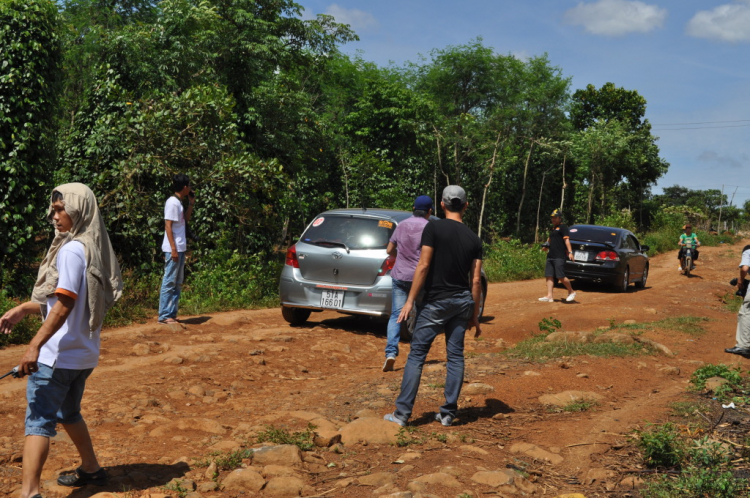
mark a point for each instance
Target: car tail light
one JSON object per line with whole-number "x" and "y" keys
{"x": 607, "y": 256}
{"x": 387, "y": 266}
{"x": 291, "y": 257}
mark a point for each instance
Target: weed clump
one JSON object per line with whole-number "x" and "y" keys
{"x": 302, "y": 439}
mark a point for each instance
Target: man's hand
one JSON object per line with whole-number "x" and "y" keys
{"x": 474, "y": 322}
{"x": 28, "y": 363}
{"x": 404, "y": 315}
{"x": 570, "y": 256}
{"x": 175, "y": 256}
{"x": 10, "y": 318}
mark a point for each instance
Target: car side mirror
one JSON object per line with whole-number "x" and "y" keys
{"x": 645, "y": 248}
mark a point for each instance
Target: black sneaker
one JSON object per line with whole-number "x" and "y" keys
{"x": 81, "y": 478}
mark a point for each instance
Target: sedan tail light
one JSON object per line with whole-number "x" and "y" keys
{"x": 607, "y": 256}
{"x": 387, "y": 266}
{"x": 291, "y": 257}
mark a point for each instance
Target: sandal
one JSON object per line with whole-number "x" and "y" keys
{"x": 169, "y": 321}
{"x": 81, "y": 478}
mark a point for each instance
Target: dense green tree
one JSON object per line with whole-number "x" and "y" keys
{"x": 29, "y": 75}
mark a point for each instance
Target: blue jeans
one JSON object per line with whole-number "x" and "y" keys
{"x": 171, "y": 286}
{"x": 53, "y": 395}
{"x": 452, "y": 315}
{"x": 400, "y": 292}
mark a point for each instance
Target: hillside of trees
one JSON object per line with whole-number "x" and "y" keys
{"x": 274, "y": 124}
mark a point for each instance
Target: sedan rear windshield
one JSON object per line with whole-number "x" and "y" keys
{"x": 349, "y": 232}
{"x": 601, "y": 235}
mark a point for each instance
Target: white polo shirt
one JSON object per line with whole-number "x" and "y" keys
{"x": 73, "y": 346}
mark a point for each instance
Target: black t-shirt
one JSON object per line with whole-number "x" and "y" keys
{"x": 455, "y": 247}
{"x": 557, "y": 247}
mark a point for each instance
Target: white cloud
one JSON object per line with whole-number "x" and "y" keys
{"x": 728, "y": 22}
{"x": 616, "y": 17}
{"x": 357, "y": 19}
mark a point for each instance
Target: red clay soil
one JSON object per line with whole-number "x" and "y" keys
{"x": 249, "y": 369}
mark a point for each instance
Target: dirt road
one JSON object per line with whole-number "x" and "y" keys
{"x": 164, "y": 399}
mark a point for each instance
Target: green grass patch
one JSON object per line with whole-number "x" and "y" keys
{"x": 537, "y": 349}
{"x": 408, "y": 436}
{"x": 508, "y": 261}
{"x": 302, "y": 439}
{"x": 705, "y": 466}
{"x": 691, "y": 325}
{"x": 686, "y": 409}
{"x": 731, "y": 302}
{"x": 733, "y": 375}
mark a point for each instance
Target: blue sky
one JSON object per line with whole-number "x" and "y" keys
{"x": 690, "y": 59}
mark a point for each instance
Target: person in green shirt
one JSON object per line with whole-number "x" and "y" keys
{"x": 692, "y": 239}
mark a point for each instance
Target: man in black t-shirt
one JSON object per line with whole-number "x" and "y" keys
{"x": 450, "y": 269}
{"x": 559, "y": 250}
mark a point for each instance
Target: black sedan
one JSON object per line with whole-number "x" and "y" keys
{"x": 608, "y": 255}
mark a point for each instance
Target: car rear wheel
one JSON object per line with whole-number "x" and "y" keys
{"x": 642, "y": 283}
{"x": 295, "y": 316}
{"x": 623, "y": 285}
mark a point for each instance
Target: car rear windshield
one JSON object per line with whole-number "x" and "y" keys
{"x": 349, "y": 231}
{"x": 601, "y": 235}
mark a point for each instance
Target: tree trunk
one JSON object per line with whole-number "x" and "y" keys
{"x": 538, "y": 209}
{"x": 487, "y": 185}
{"x": 523, "y": 189}
{"x": 591, "y": 198}
{"x": 564, "y": 185}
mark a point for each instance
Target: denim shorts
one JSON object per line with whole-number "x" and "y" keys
{"x": 54, "y": 396}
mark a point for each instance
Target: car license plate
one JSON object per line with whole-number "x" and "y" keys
{"x": 581, "y": 256}
{"x": 332, "y": 298}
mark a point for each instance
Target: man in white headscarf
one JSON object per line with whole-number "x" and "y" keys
{"x": 78, "y": 281}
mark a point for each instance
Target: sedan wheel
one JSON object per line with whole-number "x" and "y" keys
{"x": 623, "y": 287}
{"x": 295, "y": 316}
{"x": 642, "y": 283}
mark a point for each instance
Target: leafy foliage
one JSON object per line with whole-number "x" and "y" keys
{"x": 302, "y": 439}
{"x": 29, "y": 75}
{"x": 732, "y": 374}
{"x": 662, "y": 446}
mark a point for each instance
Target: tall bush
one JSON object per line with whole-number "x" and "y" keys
{"x": 29, "y": 75}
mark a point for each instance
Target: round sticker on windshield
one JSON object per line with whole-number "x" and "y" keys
{"x": 573, "y": 230}
{"x": 318, "y": 222}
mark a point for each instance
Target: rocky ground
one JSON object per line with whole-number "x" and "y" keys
{"x": 174, "y": 411}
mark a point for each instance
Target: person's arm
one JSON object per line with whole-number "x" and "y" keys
{"x": 743, "y": 273}
{"x": 476, "y": 294}
{"x": 420, "y": 275}
{"x": 570, "y": 249}
{"x": 697, "y": 242}
{"x": 191, "y": 203}
{"x": 55, "y": 319}
{"x": 680, "y": 243}
{"x": 170, "y": 237}
{"x": 391, "y": 249}
{"x": 15, "y": 315}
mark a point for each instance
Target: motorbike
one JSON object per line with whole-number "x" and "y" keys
{"x": 687, "y": 259}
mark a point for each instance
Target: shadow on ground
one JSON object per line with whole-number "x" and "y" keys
{"x": 134, "y": 477}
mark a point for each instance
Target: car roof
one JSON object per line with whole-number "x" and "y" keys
{"x": 393, "y": 214}
{"x": 620, "y": 231}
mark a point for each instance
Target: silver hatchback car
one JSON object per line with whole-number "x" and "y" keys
{"x": 340, "y": 263}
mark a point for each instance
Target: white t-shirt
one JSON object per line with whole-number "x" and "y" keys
{"x": 745, "y": 261}
{"x": 72, "y": 346}
{"x": 174, "y": 211}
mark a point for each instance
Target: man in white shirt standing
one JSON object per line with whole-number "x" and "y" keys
{"x": 742, "y": 339}
{"x": 174, "y": 246}
{"x": 78, "y": 281}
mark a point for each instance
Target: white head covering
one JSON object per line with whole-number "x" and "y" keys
{"x": 104, "y": 281}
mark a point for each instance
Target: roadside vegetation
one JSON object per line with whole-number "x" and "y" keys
{"x": 702, "y": 455}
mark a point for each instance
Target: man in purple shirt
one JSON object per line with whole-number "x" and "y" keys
{"x": 405, "y": 244}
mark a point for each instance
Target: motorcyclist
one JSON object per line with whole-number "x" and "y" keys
{"x": 692, "y": 239}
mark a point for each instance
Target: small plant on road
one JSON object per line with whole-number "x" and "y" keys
{"x": 662, "y": 446}
{"x": 303, "y": 439}
{"x": 700, "y": 376}
{"x": 549, "y": 325}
